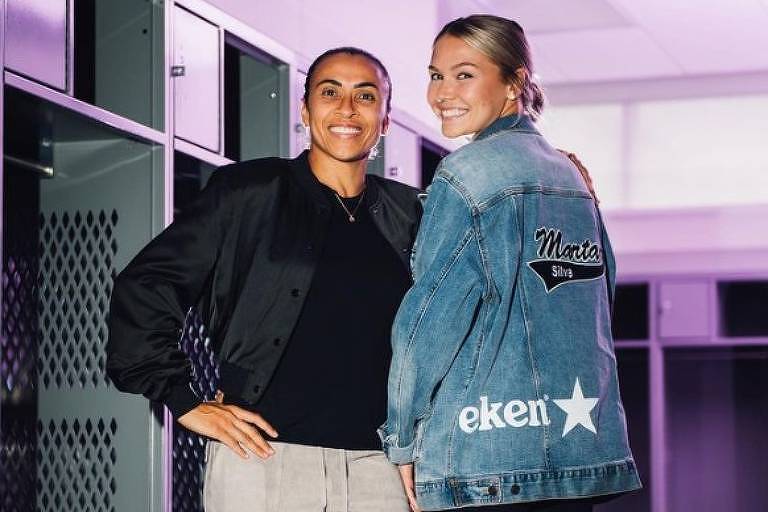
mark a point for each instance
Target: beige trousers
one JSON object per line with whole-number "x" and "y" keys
{"x": 301, "y": 478}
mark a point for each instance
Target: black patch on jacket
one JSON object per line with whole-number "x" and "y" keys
{"x": 560, "y": 263}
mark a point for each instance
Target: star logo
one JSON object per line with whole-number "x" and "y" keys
{"x": 577, "y": 409}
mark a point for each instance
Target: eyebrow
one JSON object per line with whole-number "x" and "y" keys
{"x": 339, "y": 84}
{"x": 460, "y": 64}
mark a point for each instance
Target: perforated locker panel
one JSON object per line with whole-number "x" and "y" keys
{"x": 70, "y": 440}
{"x": 188, "y": 447}
{"x": 18, "y": 357}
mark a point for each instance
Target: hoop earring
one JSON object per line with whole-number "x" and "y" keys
{"x": 374, "y": 152}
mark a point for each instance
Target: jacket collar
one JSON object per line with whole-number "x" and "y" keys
{"x": 316, "y": 190}
{"x": 515, "y": 122}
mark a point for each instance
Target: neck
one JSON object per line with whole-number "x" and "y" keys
{"x": 346, "y": 178}
{"x": 511, "y": 107}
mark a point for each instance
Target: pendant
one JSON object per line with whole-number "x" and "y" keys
{"x": 351, "y": 218}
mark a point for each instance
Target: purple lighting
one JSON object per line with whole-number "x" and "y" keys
{"x": 666, "y": 103}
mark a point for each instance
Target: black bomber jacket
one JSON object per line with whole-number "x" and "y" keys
{"x": 244, "y": 253}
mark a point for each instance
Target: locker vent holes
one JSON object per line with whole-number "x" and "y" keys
{"x": 77, "y": 270}
{"x": 76, "y": 462}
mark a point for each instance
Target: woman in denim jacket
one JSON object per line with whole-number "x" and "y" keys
{"x": 503, "y": 387}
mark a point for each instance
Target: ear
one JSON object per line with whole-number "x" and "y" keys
{"x": 304, "y": 114}
{"x": 512, "y": 93}
{"x": 385, "y": 125}
{"x": 514, "y": 89}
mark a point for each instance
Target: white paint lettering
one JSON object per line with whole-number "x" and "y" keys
{"x": 468, "y": 419}
{"x": 537, "y": 407}
{"x": 515, "y": 413}
{"x": 489, "y": 417}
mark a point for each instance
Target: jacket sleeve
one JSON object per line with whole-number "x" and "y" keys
{"x": 436, "y": 314}
{"x": 152, "y": 296}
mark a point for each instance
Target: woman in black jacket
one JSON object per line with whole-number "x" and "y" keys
{"x": 297, "y": 267}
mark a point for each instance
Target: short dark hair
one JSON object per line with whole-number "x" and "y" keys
{"x": 349, "y": 50}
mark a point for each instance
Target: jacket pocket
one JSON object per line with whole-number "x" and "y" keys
{"x": 418, "y": 439}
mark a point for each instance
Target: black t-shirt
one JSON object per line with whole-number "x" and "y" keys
{"x": 330, "y": 386}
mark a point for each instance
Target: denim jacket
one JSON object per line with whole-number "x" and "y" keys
{"x": 503, "y": 384}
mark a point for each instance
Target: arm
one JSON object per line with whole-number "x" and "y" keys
{"x": 149, "y": 303}
{"x": 151, "y": 298}
{"x": 436, "y": 315}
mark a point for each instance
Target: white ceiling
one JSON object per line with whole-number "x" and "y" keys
{"x": 587, "y": 41}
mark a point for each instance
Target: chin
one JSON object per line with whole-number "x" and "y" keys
{"x": 351, "y": 156}
{"x": 452, "y": 131}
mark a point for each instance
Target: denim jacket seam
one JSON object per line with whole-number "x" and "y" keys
{"x": 455, "y": 183}
{"x": 441, "y": 278}
{"x": 508, "y": 131}
{"x": 475, "y": 478}
{"x": 422, "y": 312}
{"x": 475, "y": 214}
{"x": 447, "y": 178}
{"x": 526, "y": 317}
{"x": 528, "y": 189}
{"x": 455, "y": 423}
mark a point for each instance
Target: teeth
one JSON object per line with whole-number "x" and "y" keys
{"x": 345, "y": 130}
{"x": 453, "y": 112}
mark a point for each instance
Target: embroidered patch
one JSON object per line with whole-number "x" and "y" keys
{"x": 560, "y": 264}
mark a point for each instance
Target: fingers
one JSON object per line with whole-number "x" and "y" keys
{"x": 412, "y": 501}
{"x": 254, "y": 418}
{"x": 221, "y": 422}
{"x": 252, "y": 439}
{"x": 233, "y": 443}
{"x": 406, "y": 475}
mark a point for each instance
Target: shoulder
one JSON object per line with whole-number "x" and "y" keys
{"x": 394, "y": 187}
{"x": 252, "y": 173}
{"x": 400, "y": 194}
{"x": 499, "y": 150}
{"x": 506, "y": 160}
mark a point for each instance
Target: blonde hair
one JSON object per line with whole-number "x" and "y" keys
{"x": 503, "y": 41}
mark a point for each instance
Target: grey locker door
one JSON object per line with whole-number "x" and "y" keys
{"x": 256, "y": 103}
{"x": 80, "y": 200}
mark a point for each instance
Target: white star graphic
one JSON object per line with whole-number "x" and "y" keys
{"x": 577, "y": 408}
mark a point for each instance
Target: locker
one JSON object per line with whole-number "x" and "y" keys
{"x": 684, "y": 309}
{"x": 402, "y": 160}
{"x": 197, "y": 61}
{"x": 36, "y": 40}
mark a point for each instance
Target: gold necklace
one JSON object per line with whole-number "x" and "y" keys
{"x": 351, "y": 215}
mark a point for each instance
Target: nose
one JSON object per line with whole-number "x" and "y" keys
{"x": 444, "y": 91}
{"x": 346, "y": 106}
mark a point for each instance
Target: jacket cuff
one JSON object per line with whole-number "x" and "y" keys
{"x": 181, "y": 400}
{"x": 396, "y": 454}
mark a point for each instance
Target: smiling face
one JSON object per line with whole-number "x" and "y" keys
{"x": 346, "y": 108}
{"x": 466, "y": 90}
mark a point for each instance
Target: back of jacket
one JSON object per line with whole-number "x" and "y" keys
{"x": 503, "y": 385}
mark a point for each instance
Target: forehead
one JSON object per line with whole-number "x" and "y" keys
{"x": 450, "y": 50}
{"x": 348, "y": 69}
